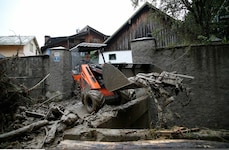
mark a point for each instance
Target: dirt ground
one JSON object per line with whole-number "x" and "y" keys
{"x": 34, "y": 138}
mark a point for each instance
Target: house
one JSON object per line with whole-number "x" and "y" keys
{"x": 19, "y": 45}
{"x": 148, "y": 21}
{"x": 116, "y": 57}
{"x": 87, "y": 34}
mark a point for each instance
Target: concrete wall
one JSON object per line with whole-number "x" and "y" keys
{"x": 28, "y": 71}
{"x": 60, "y": 72}
{"x": 209, "y": 64}
{"x": 142, "y": 50}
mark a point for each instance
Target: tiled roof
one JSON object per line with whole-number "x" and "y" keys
{"x": 15, "y": 40}
{"x": 54, "y": 40}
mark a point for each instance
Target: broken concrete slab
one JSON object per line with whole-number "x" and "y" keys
{"x": 78, "y": 109}
{"x": 129, "y": 114}
{"x": 121, "y": 116}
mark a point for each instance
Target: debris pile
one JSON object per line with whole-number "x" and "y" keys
{"x": 162, "y": 88}
{"x": 38, "y": 126}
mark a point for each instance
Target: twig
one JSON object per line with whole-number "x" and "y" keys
{"x": 46, "y": 135}
{"x": 39, "y": 83}
{"x": 49, "y": 100}
{"x": 181, "y": 75}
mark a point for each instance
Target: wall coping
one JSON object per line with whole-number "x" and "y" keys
{"x": 191, "y": 45}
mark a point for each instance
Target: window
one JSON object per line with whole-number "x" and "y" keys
{"x": 112, "y": 56}
{"x": 31, "y": 47}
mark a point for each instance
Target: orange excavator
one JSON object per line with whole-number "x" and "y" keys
{"x": 94, "y": 80}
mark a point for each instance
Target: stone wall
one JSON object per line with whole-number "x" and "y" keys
{"x": 209, "y": 64}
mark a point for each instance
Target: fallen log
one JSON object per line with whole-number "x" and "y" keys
{"x": 145, "y": 144}
{"x": 107, "y": 135}
{"x": 119, "y": 135}
{"x": 25, "y": 129}
{"x": 211, "y": 135}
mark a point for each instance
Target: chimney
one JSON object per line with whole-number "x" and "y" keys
{"x": 47, "y": 37}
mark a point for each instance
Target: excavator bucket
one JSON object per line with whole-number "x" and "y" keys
{"x": 113, "y": 78}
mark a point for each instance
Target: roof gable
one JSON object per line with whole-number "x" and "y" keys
{"x": 86, "y": 30}
{"x": 146, "y": 7}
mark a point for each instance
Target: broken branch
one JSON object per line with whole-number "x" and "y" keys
{"x": 39, "y": 83}
{"x": 49, "y": 100}
{"x": 25, "y": 129}
{"x": 51, "y": 133}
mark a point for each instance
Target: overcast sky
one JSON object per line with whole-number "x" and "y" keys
{"x": 62, "y": 17}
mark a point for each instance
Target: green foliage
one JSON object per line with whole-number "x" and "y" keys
{"x": 225, "y": 40}
{"x": 213, "y": 38}
{"x": 201, "y": 17}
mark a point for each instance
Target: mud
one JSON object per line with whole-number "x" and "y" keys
{"x": 85, "y": 129}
